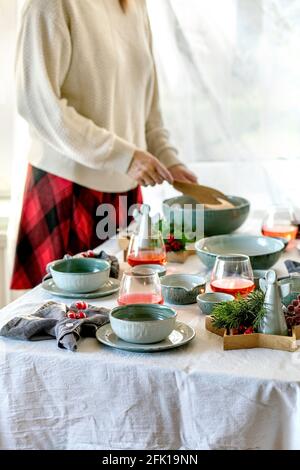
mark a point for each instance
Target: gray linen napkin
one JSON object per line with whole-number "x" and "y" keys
{"x": 51, "y": 321}
{"x": 292, "y": 266}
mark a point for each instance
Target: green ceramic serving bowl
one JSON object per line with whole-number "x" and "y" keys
{"x": 263, "y": 252}
{"x": 142, "y": 323}
{"x": 216, "y": 221}
{"x": 80, "y": 275}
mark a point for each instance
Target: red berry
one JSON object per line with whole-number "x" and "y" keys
{"x": 291, "y": 308}
{"x": 80, "y": 315}
{"x": 81, "y": 305}
{"x": 295, "y": 303}
{"x": 249, "y": 331}
{"x": 71, "y": 314}
{"x": 298, "y": 297}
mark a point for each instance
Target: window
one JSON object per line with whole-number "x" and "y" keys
{"x": 229, "y": 76}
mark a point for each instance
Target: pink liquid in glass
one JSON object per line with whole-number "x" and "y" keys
{"x": 233, "y": 286}
{"x": 140, "y": 298}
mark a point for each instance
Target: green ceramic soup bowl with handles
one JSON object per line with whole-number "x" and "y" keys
{"x": 80, "y": 275}
{"x": 142, "y": 323}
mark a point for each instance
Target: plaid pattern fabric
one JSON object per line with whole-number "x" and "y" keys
{"x": 59, "y": 217}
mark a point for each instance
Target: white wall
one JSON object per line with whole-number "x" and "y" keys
{"x": 8, "y": 22}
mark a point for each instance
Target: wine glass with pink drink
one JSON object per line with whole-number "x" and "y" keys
{"x": 232, "y": 274}
{"x": 140, "y": 286}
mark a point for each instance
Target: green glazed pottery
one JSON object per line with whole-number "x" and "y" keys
{"x": 257, "y": 275}
{"x": 263, "y": 252}
{"x": 80, "y": 275}
{"x": 142, "y": 323}
{"x": 110, "y": 287}
{"x": 290, "y": 288}
{"x": 160, "y": 270}
{"x": 182, "y": 289}
{"x": 209, "y": 300}
{"x": 216, "y": 221}
{"x": 181, "y": 335}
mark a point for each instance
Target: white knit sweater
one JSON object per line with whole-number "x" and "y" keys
{"x": 86, "y": 84}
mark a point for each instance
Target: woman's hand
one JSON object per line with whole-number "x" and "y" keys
{"x": 148, "y": 170}
{"x": 181, "y": 173}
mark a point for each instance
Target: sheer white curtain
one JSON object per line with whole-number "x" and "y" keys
{"x": 229, "y": 75}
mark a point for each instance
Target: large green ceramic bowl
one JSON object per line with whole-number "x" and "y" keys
{"x": 264, "y": 252}
{"x": 216, "y": 221}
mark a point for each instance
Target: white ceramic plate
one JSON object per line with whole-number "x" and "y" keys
{"x": 109, "y": 288}
{"x": 181, "y": 335}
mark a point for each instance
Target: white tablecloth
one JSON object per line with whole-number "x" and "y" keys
{"x": 195, "y": 397}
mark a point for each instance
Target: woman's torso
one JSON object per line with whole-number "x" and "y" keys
{"x": 118, "y": 96}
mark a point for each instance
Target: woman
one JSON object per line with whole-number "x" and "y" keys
{"x": 88, "y": 89}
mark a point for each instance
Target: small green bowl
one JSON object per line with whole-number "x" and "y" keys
{"x": 160, "y": 270}
{"x": 80, "y": 275}
{"x": 257, "y": 275}
{"x": 142, "y": 323}
{"x": 209, "y": 300}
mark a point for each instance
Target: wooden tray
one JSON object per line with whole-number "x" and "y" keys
{"x": 255, "y": 340}
{"x": 172, "y": 256}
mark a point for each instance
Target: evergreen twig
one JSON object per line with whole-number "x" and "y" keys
{"x": 247, "y": 311}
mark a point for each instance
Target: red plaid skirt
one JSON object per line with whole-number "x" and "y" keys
{"x": 59, "y": 217}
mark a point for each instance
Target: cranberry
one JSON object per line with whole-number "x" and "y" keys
{"x": 80, "y": 315}
{"x": 291, "y": 308}
{"x": 71, "y": 314}
{"x": 295, "y": 303}
{"x": 249, "y": 331}
{"x": 81, "y": 305}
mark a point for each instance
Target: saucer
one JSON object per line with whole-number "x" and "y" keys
{"x": 160, "y": 270}
{"x": 109, "y": 288}
{"x": 181, "y": 335}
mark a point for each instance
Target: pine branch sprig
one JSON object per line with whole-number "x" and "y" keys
{"x": 247, "y": 311}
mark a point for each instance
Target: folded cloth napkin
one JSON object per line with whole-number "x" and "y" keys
{"x": 113, "y": 260}
{"x": 292, "y": 266}
{"x": 51, "y": 320}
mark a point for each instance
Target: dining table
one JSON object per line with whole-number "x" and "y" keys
{"x": 196, "y": 397}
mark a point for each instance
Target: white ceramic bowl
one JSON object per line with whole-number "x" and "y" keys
{"x": 80, "y": 275}
{"x": 142, "y": 323}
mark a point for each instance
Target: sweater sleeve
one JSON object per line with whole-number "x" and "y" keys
{"x": 157, "y": 136}
{"x": 44, "y": 53}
